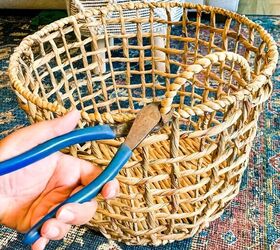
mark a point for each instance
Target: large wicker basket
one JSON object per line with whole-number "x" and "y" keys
{"x": 217, "y": 76}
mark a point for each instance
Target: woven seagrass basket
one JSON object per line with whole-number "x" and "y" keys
{"x": 217, "y": 77}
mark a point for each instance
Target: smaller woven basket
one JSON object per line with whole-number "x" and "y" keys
{"x": 216, "y": 77}
{"x": 75, "y": 6}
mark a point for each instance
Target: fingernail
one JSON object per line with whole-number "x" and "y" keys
{"x": 66, "y": 215}
{"x": 111, "y": 194}
{"x": 53, "y": 232}
{"x": 42, "y": 244}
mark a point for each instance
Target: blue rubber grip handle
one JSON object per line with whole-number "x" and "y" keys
{"x": 99, "y": 132}
{"x": 87, "y": 193}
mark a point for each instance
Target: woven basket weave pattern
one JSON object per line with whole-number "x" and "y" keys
{"x": 181, "y": 178}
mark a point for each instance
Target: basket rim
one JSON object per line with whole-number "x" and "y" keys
{"x": 261, "y": 79}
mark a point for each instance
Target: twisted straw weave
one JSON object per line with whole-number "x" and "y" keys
{"x": 181, "y": 178}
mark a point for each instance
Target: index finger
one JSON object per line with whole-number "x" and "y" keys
{"x": 29, "y": 137}
{"x": 88, "y": 172}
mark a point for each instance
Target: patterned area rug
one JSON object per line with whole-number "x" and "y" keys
{"x": 252, "y": 221}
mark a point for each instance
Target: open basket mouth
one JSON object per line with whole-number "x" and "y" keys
{"x": 215, "y": 75}
{"x": 55, "y": 67}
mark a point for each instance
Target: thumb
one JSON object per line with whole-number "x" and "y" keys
{"x": 29, "y": 137}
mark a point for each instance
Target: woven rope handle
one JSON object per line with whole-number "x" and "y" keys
{"x": 196, "y": 68}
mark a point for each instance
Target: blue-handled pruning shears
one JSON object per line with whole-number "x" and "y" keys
{"x": 146, "y": 121}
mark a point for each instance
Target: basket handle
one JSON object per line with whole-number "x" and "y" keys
{"x": 201, "y": 64}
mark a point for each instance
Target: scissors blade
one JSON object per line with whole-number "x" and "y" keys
{"x": 122, "y": 130}
{"x": 146, "y": 120}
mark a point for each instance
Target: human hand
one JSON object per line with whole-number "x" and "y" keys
{"x": 29, "y": 193}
